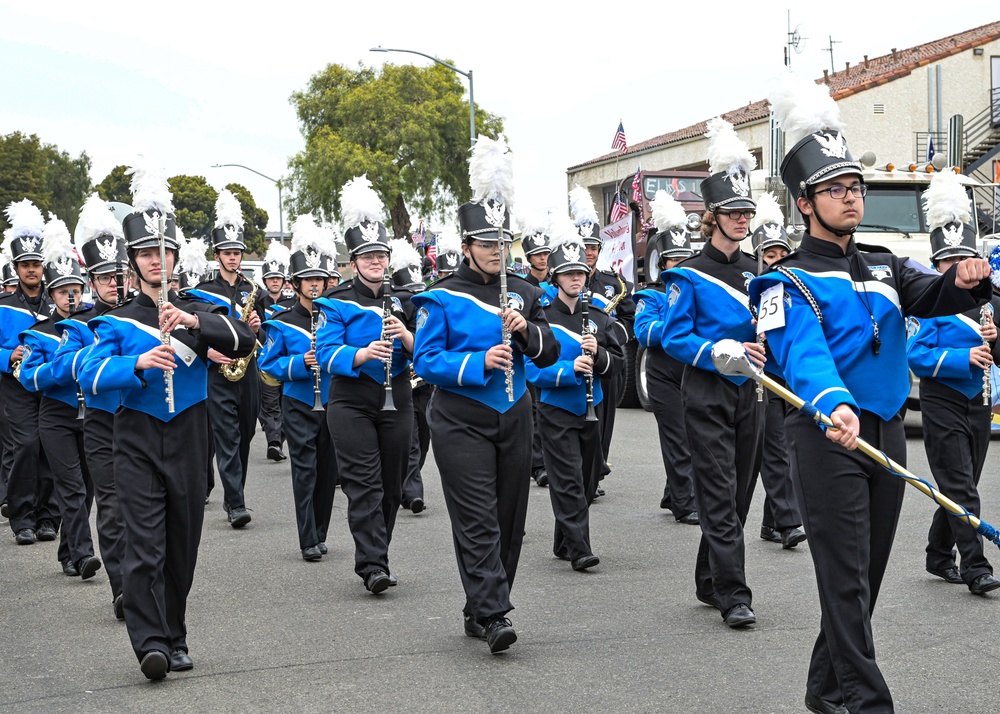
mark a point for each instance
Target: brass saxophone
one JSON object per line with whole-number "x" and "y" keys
{"x": 610, "y": 307}
{"x": 235, "y": 370}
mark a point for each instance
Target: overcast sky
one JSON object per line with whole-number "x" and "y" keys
{"x": 202, "y": 83}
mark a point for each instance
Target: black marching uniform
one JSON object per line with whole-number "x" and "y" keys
{"x": 271, "y": 394}
{"x": 481, "y": 439}
{"x": 372, "y": 444}
{"x": 159, "y": 457}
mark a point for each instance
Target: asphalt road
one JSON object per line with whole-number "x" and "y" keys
{"x": 270, "y": 632}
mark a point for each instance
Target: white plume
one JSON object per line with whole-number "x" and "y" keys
{"x": 191, "y": 258}
{"x": 359, "y": 202}
{"x": 306, "y": 234}
{"x": 491, "y": 171}
{"x": 667, "y": 212}
{"x": 228, "y": 211}
{"x": 327, "y": 240}
{"x": 6, "y": 257}
{"x": 25, "y": 219}
{"x": 337, "y": 235}
{"x": 945, "y": 201}
{"x": 768, "y": 211}
{"x": 96, "y": 220}
{"x": 404, "y": 255}
{"x": 56, "y": 244}
{"x": 150, "y": 191}
{"x": 534, "y": 224}
{"x": 581, "y": 205}
{"x": 277, "y": 252}
{"x": 727, "y": 151}
{"x": 448, "y": 241}
{"x": 563, "y": 232}
{"x": 801, "y": 107}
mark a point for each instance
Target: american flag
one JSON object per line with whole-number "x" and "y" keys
{"x": 619, "y": 143}
{"x": 430, "y": 248}
{"x": 637, "y": 187}
{"x": 419, "y": 236}
{"x": 619, "y": 209}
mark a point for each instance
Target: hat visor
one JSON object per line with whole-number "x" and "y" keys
{"x": 677, "y": 253}
{"x": 27, "y": 256}
{"x": 152, "y": 242}
{"x": 570, "y": 267}
{"x": 959, "y": 251}
{"x": 66, "y": 280}
{"x": 310, "y": 273}
{"x": 229, "y": 245}
{"x": 848, "y": 170}
{"x": 735, "y": 204}
{"x": 777, "y": 243}
{"x": 371, "y": 248}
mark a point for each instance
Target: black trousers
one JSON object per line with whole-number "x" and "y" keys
{"x": 484, "y": 458}
{"x": 850, "y": 506}
{"x": 6, "y": 452}
{"x": 420, "y": 440}
{"x": 160, "y": 481}
{"x": 781, "y": 510}
{"x": 314, "y": 469}
{"x": 611, "y": 386}
{"x": 61, "y": 437}
{"x": 663, "y": 380}
{"x": 98, "y": 437}
{"x": 723, "y": 426}
{"x": 537, "y": 453}
{"x": 233, "y": 407}
{"x": 373, "y": 450}
{"x": 31, "y": 495}
{"x": 270, "y": 413}
{"x": 572, "y": 448}
{"x": 956, "y": 437}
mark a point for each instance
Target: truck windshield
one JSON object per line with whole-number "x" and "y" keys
{"x": 897, "y": 207}
{"x": 681, "y": 188}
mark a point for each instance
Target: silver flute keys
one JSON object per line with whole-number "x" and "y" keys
{"x": 985, "y": 318}
{"x": 504, "y": 330}
{"x": 168, "y": 375}
{"x": 317, "y": 377}
{"x": 388, "y": 405}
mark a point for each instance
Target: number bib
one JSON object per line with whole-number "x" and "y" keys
{"x": 771, "y": 314}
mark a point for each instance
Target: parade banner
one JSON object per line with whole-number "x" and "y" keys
{"x": 616, "y": 255}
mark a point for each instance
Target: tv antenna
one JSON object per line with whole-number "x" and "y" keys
{"x": 796, "y": 41}
{"x": 830, "y": 50}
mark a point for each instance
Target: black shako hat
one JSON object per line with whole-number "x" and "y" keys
{"x": 483, "y": 221}
{"x": 819, "y": 156}
{"x": 727, "y": 191}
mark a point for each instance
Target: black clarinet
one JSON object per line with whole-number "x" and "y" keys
{"x": 585, "y": 314}
{"x": 387, "y": 405}
{"x": 317, "y": 392}
{"x": 81, "y": 403}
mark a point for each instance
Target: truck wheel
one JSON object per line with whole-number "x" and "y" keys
{"x": 629, "y": 398}
{"x": 641, "y": 382}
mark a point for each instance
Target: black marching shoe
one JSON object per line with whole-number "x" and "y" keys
{"x": 585, "y": 561}
{"x": 4, "y": 510}
{"x": 417, "y": 505}
{"x": 473, "y": 628}
{"x": 88, "y": 567}
{"x": 983, "y": 584}
{"x": 690, "y": 519}
{"x": 69, "y": 568}
{"x": 541, "y": 477}
{"x": 377, "y": 581}
{"x": 154, "y": 665}
{"x": 25, "y": 536}
{"x": 823, "y": 706}
{"x": 323, "y": 549}
{"x": 274, "y": 452}
{"x": 180, "y": 661}
{"x": 119, "y": 607}
{"x": 46, "y": 530}
{"x": 238, "y": 517}
{"x": 771, "y": 535}
{"x": 500, "y": 634}
{"x": 312, "y": 554}
{"x": 949, "y": 574}
{"x": 739, "y": 615}
{"x": 791, "y": 537}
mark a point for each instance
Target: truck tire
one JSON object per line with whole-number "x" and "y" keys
{"x": 629, "y": 398}
{"x": 641, "y": 383}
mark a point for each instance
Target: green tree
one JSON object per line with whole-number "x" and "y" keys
{"x": 116, "y": 186}
{"x": 52, "y": 179}
{"x": 194, "y": 204}
{"x": 406, "y": 127}
{"x": 254, "y": 230}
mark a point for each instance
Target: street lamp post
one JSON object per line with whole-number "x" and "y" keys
{"x": 468, "y": 75}
{"x": 277, "y": 182}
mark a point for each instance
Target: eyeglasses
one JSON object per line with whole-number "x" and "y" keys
{"x": 735, "y": 215}
{"x": 838, "y": 191}
{"x": 373, "y": 257}
{"x": 104, "y": 279}
{"x": 493, "y": 246}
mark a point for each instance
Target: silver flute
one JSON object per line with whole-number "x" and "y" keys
{"x": 504, "y": 330}
{"x": 985, "y": 318}
{"x": 317, "y": 377}
{"x": 168, "y": 375}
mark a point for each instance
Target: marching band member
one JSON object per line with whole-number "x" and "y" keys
{"x": 6, "y": 455}
{"x": 449, "y": 252}
{"x": 102, "y": 246}
{"x": 706, "y": 302}
{"x": 161, "y": 442}
{"x": 663, "y": 372}
{"x": 31, "y": 504}
{"x": 290, "y": 354}
{"x": 60, "y": 430}
{"x": 952, "y": 356}
{"x": 331, "y": 242}
{"x": 612, "y": 294}
{"x": 535, "y": 244}
{"x": 366, "y": 325}
{"x": 405, "y": 267}
{"x": 781, "y": 522}
{"x": 233, "y": 400}
{"x": 275, "y": 273}
{"x": 840, "y": 331}
{"x": 570, "y": 390}
{"x": 481, "y": 414}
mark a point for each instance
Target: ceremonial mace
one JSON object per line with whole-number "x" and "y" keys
{"x": 730, "y": 358}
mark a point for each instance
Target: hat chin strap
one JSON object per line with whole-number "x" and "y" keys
{"x": 827, "y": 226}
{"x": 723, "y": 231}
